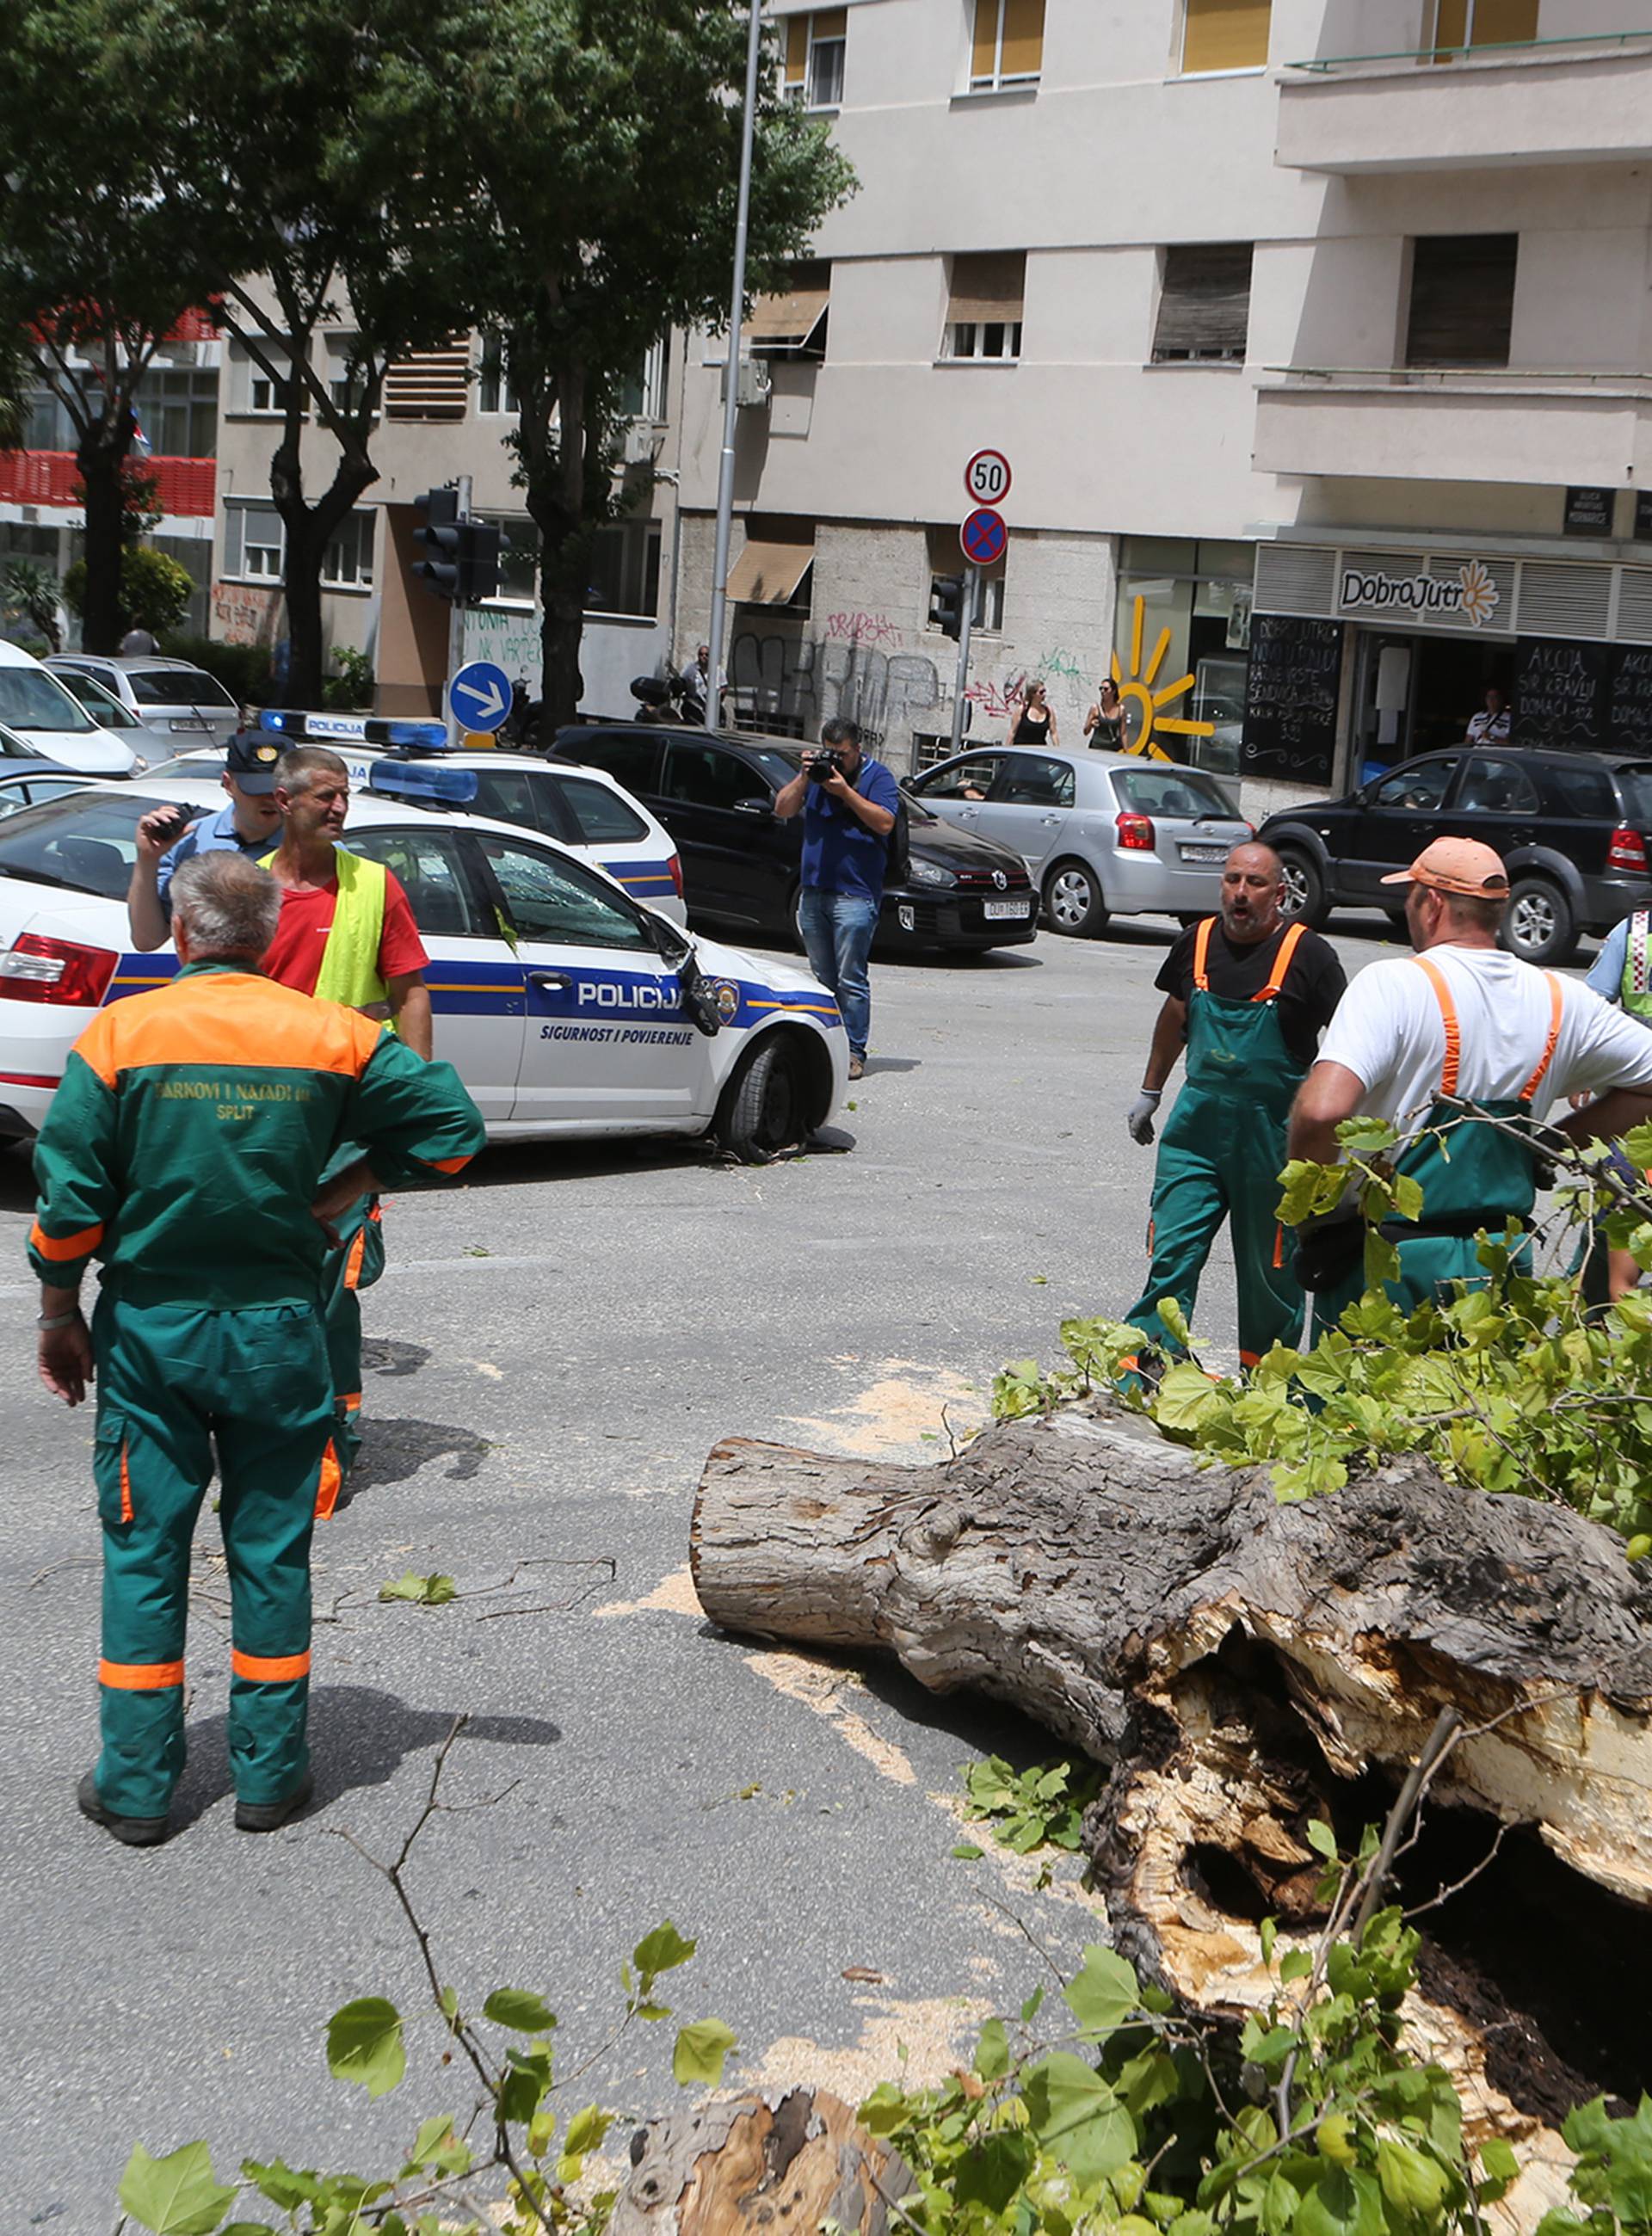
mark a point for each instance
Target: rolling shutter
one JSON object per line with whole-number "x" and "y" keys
{"x": 1224, "y": 35}
{"x": 1462, "y": 299}
{"x": 1204, "y": 306}
{"x": 432, "y": 384}
{"x": 989, "y": 290}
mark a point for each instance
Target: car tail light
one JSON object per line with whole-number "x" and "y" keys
{"x": 1626, "y": 850}
{"x": 35, "y": 969}
{"x": 1136, "y": 833}
{"x": 674, "y": 866}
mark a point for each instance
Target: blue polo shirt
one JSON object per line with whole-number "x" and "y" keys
{"x": 839, "y": 854}
{"x": 213, "y": 834}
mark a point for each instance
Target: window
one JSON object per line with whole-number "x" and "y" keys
{"x": 706, "y": 776}
{"x": 508, "y": 796}
{"x": 970, "y": 779}
{"x": 519, "y": 556}
{"x": 178, "y": 412}
{"x": 1204, "y": 303}
{"x": 1181, "y": 629}
{"x": 251, "y": 388}
{"x": 1574, "y": 789}
{"x": 347, "y": 564}
{"x": 1224, "y": 35}
{"x": 775, "y": 567}
{"x": 254, "y": 543}
{"x": 625, "y": 568}
{"x": 1415, "y": 791}
{"x": 1034, "y": 780}
{"x": 493, "y": 389}
{"x": 1462, "y": 299}
{"x": 1497, "y": 787}
{"x": 552, "y": 898}
{"x": 176, "y": 686}
{"x": 1008, "y": 49}
{"x": 345, "y": 381}
{"x": 429, "y": 866}
{"x": 946, "y": 562}
{"x": 631, "y": 761}
{"x": 33, "y": 699}
{"x": 814, "y": 45}
{"x": 1460, "y": 24}
{"x": 600, "y": 816}
{"x": 644, "y": 396}
{"x": 793, "y": 321}
{"x": 984, "y": 306}
{"x": 1169, "y": 792}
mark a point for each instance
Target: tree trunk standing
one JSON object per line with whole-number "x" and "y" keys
{"x": 554, "y": 466}
{"x": 310, "y": 529}
{"x": 100, "y": 457}
{"x": 1245, "y": 1667}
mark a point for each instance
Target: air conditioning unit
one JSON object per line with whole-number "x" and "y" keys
{"x": 751, "y": 383}
{"x": 642, "y": 442}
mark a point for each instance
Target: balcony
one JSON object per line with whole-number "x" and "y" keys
{"x": 1543, "y": 101}
{"x": 51, "y": 477}
{"x": 1472, "y": 425}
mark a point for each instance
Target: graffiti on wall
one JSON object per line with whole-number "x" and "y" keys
{"x": 244, "y": 615}
{"x": 863, "y": 628}
{"x": 815, "y": 679}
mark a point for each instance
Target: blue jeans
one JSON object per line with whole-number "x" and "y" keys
{"x": 836, "y": 931}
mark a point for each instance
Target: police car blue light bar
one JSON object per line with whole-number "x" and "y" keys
{"x": 317, "y": 728}
{"x": 414, "y": 781}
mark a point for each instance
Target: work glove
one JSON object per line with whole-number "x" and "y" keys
{"x": 1140, "y": 1116}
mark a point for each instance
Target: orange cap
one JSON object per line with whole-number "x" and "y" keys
{"x": 1456, "y": 866}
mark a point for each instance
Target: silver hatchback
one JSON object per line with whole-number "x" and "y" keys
{"x": 176, "y": 702}
{"x": 1103, "y": 834}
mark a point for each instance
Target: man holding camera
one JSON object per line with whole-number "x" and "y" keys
{"x": 849, "y": 804}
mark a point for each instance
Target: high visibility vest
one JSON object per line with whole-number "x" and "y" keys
{"x": 349, "y": 970}
{"x": 1633, "y": 991}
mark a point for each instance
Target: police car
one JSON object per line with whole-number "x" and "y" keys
{"x": 567, "y": 1006}
{"x": 407, "y": 758}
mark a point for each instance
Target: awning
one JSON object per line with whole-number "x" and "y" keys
{"x": 789, "y": 320}
{"x": 767, "y": 573}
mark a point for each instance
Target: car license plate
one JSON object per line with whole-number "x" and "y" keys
{"x": 1204, "y": 853}
{"x": 189, "y": 722}
{"x": 1000, "y": 911}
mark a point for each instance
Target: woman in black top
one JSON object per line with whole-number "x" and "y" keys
{"x": 1104, "y": 724}
{"x": 1032, "y": 721}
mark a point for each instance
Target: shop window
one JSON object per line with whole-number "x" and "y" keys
{"x": 984, "y": 306}
{"x": 1459, "y": 24}
{"x": 1204, "y": 303}
{"x": 946, "y": 562}
{"x": 1462, "y": 299}
{"x": 1008, "y": 46}
{"x": 1224, "y": 35}
{"x": 814, "y": 50}
{"x": 1182, "y": 635}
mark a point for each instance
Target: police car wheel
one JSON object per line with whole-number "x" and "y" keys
{"x": 762, "y": 1109}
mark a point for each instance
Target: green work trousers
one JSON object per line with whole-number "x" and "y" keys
{"x": 354, "y": 1268}
{"x": 178, "y": 1386}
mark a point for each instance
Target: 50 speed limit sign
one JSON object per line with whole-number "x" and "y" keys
{"x": 987, "y": 478}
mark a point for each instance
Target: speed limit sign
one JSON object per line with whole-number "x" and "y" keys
{"x": 987, "y": 478}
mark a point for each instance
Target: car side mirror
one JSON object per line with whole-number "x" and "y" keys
{"x": 671, "y": 944}
{"x": 752, "y": 806}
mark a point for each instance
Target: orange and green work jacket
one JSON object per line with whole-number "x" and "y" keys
{"x": 193, "y": 1124}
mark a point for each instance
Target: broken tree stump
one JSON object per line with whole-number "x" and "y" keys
{"x": 781, "y": 2163}
{"x": 1243, "y": 1666}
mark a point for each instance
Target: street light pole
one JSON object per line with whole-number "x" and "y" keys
{"x": 731, "y": 375}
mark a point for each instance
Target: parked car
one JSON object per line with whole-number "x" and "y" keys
{"x": 1102, "y": 834}
{"x": 25, "y": 778}
{"x": 168, "y": 696}
{"x": 111, "y": 712}
{"x": 1571, "y": 827}
{"x": 567, "y": 1007}
{"x": 714, "y": 793}
{"x": 51, "y": 723}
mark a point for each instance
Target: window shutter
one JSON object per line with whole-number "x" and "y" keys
{"x": 429, "y": 384}
{"x": 983, "y": 58}
{"x": 988, "y": 289}
{"x": 1024, "y": 39}
{"x": 1462, "y": 299}
{"x": 1204, "y": 308}
{"x": 1223, "y": 34}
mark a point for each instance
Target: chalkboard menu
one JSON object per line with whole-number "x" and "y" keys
{"x": 1291, "y": 698}
{"x": 1628, "y": 717}
{"x": 1561, "y": 692}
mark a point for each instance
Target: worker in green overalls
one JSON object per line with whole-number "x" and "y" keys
{"x": 185, "y": 1147}
{"x": 1461, "y": 1020}
{"x": 1248, "y": 996}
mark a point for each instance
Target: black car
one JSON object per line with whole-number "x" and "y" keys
{"x": 714, "y": 793}
{"x": 1571, "y": 827}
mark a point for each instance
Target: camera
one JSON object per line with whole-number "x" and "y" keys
{"x": 821, "y": 765}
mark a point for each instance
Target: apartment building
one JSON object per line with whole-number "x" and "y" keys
{"x": 1316, "y": 336}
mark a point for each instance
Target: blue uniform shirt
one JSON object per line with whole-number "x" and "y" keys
{"x": 839, "y": 854}
{"x": 1607, "y": 975}
{"x": 213, "y": 834}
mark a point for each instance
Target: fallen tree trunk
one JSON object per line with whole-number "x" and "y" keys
{"x": 1244, "y": 1666}
{"x": 786, "y": 2162}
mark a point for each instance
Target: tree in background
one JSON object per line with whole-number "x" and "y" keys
{"x": 29, "y": 593}
{"x": 155, "y": 589}
{"x": 591, "y": 149}
{"x": 98, "y": 261}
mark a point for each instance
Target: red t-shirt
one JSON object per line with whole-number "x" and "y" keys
{"x": 294, "y": 958}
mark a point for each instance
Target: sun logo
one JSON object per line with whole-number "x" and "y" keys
{"x": 1138, "y": 690}
{"x": 1480, "y": 599}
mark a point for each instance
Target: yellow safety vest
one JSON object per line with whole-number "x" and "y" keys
{"x": 349, "y": 971}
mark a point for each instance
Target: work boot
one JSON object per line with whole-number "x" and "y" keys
{"x": 133, "y": 1831}
{"x": 857, "y": 1066}
{"x": 270, "y": 1816}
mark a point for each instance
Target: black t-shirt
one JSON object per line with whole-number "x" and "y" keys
{"x": 1314, "y": 986}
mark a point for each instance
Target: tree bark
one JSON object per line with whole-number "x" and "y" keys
{"x": 100, "y": 457}
{"x": 1245, "y": 1667}
{"x": 310, "y": 529}
{"x": 755, "y": 2163}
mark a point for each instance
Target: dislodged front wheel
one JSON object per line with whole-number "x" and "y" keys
{"x": 764, "y": 1106}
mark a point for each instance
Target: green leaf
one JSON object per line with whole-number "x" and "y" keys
{"x": 1366, "y": 1137}
{"x": 521, "y": 2009}
{"x": 1186, "y": 1397}
{"x": 992, "y": 2051}
{"x": 422, "y": 1591}
{"x": 700, "y": 2051}
{"x": 1077, "y": 2116}
{"x": 178, "y": 2195}
{"x": 586, "y": 2130}
{"x": 281, "y": 2185}
{"x": 993, "y": 2170}
{"x": 1267, "y": 1932}
{"x": 884, "y": 2111}
{"x": 1031, "y": 2009}
{"x": 662, "y": 1951}
{"x": 1408, "y": 1196}
{"x": 437, "y": 2145}
{"x": 1321, "y": 1839}
{"x": 1295, "y": 1965}
{"x": 365, "y": 2045}
{"x": 967, "y": 1852}
{"x": 1410, "y": 2182}
{"x": 1103, "y": 1994}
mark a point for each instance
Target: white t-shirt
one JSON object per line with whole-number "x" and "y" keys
{"x": 1388, "y": 1031}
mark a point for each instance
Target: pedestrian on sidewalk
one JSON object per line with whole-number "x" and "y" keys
{"x": 1032, "y": 720}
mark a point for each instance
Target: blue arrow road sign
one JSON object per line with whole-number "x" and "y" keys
{"x": 983, "y": 537}
{"x": 480, "y": 696}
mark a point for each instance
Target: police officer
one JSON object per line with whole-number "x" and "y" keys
{"x": 185, "y": 1149}
{"x": 1248, "y": 995}
{"x": 1462, "y": 1018}
{"x": 248, "y": 824}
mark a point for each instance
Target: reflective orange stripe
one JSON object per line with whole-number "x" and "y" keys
{"x": 126, "y": 1482}
{"x": 1279, "y": 1245}
{"x": 353, "y": 1260}
{"x": 230, "y": 1024}
{"x": 1281, "y": 963}
{"x": 1535, "y": 1080}
{"x": 269, "y": 1668}
{"x": 139, "y": 1676}
{"x": 332, "y": 1483}
{"x": 447, "y": 1164}
{"x": 1250, "y": 1359}
{"x": 56, "y": 1248}
{"x": 1447, "y": 1018}
{"x": 351, "y": 1400}
{"x": 1201, "y": 955}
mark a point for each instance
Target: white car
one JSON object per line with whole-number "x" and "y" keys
{"x": 51, "y": 722}
{"x": 174, "y": 698}
{"x": 567, "y": 1007}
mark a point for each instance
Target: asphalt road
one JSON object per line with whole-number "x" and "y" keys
{"x": 553, "y": 1348}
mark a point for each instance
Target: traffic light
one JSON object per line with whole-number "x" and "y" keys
{"x": 440, "y": 538}
{"x": 946, "y": 603}
{"x": 480, "y": 545}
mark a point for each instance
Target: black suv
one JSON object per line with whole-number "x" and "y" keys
{"x": 714, "y": 791}
{"x": 1571, "y": 827}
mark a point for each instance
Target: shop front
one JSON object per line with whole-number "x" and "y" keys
{"x": 1182, "y": 640}
{"x": 1361, "y": 657}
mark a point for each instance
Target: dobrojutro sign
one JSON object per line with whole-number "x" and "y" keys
{"x": 1464, "y": 594}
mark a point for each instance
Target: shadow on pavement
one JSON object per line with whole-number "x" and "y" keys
{"x": 381, "y": 1355}
{"x": 393, "y": 1451}
{"x": 892, "y": 1064}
